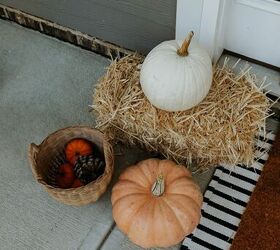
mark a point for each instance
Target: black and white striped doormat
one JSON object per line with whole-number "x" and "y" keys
{"x": 225, "y": 200}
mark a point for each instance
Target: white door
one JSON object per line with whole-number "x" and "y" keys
{"x": 253, "y": 29}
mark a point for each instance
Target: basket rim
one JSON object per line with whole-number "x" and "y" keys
{"x": 71, "y": 127}
{"x": 90, "y": 185}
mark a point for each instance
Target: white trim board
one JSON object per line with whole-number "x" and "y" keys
{"x": 206, "y": 19}
{"x": 212, "y": 26}
{"x": 188, "y": 17}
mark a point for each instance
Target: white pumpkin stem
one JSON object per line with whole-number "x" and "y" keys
{"x": 158, "y": 186}
{"x": 183, "y": 51}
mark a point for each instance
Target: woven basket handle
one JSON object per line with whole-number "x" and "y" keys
{"x": 33, "y": 151}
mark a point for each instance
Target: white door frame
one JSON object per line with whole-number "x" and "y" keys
{"x": 211, "y": 23}
{"x": 206, "y": 19}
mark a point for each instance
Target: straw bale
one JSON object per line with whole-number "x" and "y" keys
{"x": 221, "y": 129}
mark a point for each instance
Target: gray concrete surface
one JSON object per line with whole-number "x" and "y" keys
{"x": 45, "y": 85}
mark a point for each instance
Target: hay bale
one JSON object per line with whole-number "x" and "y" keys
{"x": 221, "y": 129}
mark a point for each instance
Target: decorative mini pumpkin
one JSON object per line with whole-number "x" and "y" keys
{"x": 77, "y": 147}
{"x": 156, "y": 203}
{"x": 176, "y": 76}
{"x": 65, "y": 176}
{"x": 77, "y": 183}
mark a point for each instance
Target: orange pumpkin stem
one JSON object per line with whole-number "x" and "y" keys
{"x": 183, "y": 51}
{"x": 158, "y": 186}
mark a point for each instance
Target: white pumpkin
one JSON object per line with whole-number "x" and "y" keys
{"x": 176, "y": 75}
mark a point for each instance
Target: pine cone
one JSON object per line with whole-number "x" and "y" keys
{"x": 53, "y": 170}
{"x": 88, "y": 168}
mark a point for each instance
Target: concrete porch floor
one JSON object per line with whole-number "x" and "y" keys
{"x": 46, "y": 84}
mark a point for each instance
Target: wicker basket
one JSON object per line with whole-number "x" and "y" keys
{"x": 41, "y": 158}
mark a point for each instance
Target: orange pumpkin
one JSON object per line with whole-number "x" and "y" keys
{"x": 77, "y": 147}
{"x": 156, "y": 203}
{"x": 77, "y": 183}
{"x": 65, "y": 176}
